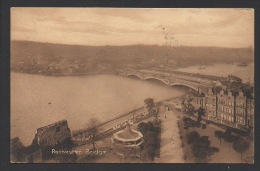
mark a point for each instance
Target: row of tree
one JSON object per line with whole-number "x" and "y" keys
{"x": 200, "y": 145}
{"x": 239, "y": 144}
{"x": 151, "y": 132}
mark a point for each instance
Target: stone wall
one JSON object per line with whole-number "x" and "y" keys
{"x": 35, "y": 157}
{"x": 53, "y": 134}
{"x": 17, "y": 151}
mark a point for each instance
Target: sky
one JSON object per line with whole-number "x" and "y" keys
{"x": 128, "y": 26}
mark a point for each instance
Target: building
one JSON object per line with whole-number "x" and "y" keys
{"x": 127, "y": 142}
{"x": 21, "y": 154}
{"x": 250, "y": 112}
{"x": 226, "y": 107}
{"x": 241, "y": 109}
{"x": 199, "y": 101}
{"x": 233, "y": 109}
{"x": 53, "y": 134}
{"x": 211, "y": 104}
{"x": 17, "y": 151}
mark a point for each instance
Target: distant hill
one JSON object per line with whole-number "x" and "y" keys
{"x": 37, "y": 56}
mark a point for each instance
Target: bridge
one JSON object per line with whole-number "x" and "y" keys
{"x": 197, "y": 82}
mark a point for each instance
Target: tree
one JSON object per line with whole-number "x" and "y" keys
{"x": 219, "y": 135}
{"x": 230, "y": 139}
{"x": 241, "y": 146}
{"x": 142, "y": 127}
{"x": 192, "y": 137}
{"x": 151, "y": 140}
{"x": 201, "y": 147}
{"x": 201, "y": 112}
{"x": 149, "y": 104}
{"x": 186, "y": 103}
{"x": 92, "y": 130}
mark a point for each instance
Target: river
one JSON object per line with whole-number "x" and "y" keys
{"x": 221, "y": 69}
{"x": 38, "y": 100}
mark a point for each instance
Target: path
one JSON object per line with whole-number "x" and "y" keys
{"x": 170, "y": 150}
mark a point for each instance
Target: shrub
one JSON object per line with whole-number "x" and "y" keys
{"x": 192, "y": 137}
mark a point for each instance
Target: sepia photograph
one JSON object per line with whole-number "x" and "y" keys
{"x": 132, "y": 85}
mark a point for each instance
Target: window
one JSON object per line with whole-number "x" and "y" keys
{"x": 229, "y": 111}
{"x": 229, "y": 103}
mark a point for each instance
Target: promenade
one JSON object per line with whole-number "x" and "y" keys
{"x": 170, "y": 150}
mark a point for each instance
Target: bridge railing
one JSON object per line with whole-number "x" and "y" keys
{"x": 174, "y": 77}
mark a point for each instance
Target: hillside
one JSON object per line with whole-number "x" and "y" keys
{"x": 42, "y": 57}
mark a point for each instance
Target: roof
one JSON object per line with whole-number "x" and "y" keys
{"x": 64, "y": 121}
{"x": 128, "y": 135}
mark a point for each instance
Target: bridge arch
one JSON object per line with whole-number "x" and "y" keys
{"x": 186, "y": 85}
{"x": 155, "y": 78}
{"x": 136, "y": 75}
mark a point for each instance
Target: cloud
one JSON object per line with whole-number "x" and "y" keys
{"x": 116, "y": 26}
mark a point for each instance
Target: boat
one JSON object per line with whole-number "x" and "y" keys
{"x": 242, "y": 64}
{"x": 202, "y": 67}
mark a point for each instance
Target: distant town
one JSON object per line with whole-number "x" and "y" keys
{"x": 58, "y": 59}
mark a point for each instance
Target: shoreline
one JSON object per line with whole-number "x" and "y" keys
{"x": 58, "y": 74}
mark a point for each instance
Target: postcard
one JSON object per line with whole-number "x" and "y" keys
{"x": 132, "y": 85}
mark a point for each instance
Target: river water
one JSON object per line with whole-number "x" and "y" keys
{"x": 221, "y": 69}
{"x": 38, "y": 100}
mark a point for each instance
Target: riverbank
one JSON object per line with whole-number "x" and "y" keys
{"x": 61, "y": 74}
{"x": 109, "y": 155}
{"x": 170, "y": 143}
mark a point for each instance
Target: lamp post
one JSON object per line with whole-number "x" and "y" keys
{"x": 181, "y": 112}
{"x": 134, "y": 114}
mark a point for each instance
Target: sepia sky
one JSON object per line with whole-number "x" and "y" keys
{"x": 117, "y": 26}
